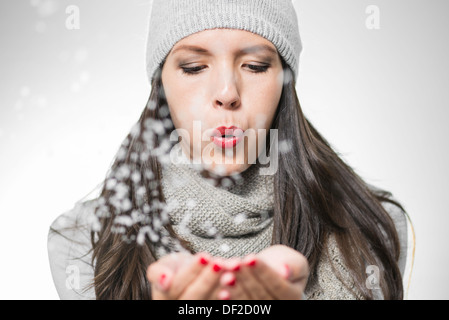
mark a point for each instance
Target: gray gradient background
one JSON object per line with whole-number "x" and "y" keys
{"x": 69, "y": 97}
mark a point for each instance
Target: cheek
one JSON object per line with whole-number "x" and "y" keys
{"x": 185, "y": 105}
{"x": 263, "y": 104}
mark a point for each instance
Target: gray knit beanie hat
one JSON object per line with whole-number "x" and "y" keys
{"x": 173, "y": 20}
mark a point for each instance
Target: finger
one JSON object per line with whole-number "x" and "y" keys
{"x": 205, "y": 284}
{"x": 224, "y": 294}
{"x": 251, "y": 285}
{"x": 218, "y": 292}
{"x": 294, "y": 270}
{"x": 230, "y": 288}
{"x": 187, "y": 274}
{"x": 162, "y": 271}
{"x": 275, "y": 282}
{"x": 299, "y": 271}
{"x": 171, "y": 274}
{"x": 231, "y": 264}
{"x": 293, "y": 262}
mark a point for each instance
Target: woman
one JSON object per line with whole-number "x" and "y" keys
{"x": 190, "y": 209}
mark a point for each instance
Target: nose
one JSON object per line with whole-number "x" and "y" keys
{"x": 227, "y": 94}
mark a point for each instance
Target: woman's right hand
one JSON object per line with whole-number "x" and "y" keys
{"x": 183, "y": 276}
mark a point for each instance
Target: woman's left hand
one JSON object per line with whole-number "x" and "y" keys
{"x": 277, "y": 273}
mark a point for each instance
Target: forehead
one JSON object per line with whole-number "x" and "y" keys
{"x": 209, "y": 42}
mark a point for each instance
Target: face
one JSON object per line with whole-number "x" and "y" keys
{"x": 223, "y": 78}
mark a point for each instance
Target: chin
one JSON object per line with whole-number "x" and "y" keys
{"x": 227, "y": 169}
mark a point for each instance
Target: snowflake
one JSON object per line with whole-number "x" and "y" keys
{"x": 124, "y": 220}
{"x": 135, "y": 130}
{"x": 240, "y": 218}
{"x": 191, "y": 203}
{"x": 152, "y": 105}
{"x": 121, "y": 191}
{"x": 225, "y": 247}
{"x": 135, "y": 177}
{"x": 110, "y": 184}
{"x": 123, "y": 172}
{"x": 210, "y": 229}
{"x": 121, "y": 154}
{"x": 285, "y": 146}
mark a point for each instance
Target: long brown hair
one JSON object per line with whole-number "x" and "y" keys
{"x": 316, "y": 194}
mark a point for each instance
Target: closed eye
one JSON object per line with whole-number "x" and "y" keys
{"x": 191, "y": 71}
{"x": 197, "y": 70}
{"x": 258, "y": 69}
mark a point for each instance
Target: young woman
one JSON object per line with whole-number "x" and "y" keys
{"x": 194, "y": 208}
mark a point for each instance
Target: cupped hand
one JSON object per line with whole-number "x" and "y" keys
{"x": 277, "y": 273}
{"x": 183, "y": 276}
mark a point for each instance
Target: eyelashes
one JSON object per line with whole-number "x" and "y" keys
{"x": 254, "y": 69}
{"x": 191, "y": 71}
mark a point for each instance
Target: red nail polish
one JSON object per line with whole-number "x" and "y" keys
{"x": 287, "y": 272}
{"x": 162, "y": 279}
{"x": 203, "y": 261}
{"x": 236, "y": 268}
{"x": 231, "y": 283}
{"x": 252, "y": 262}
{"x": 216, "y": 268}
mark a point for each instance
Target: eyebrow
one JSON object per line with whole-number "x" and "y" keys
{"x": 252, "y": 49}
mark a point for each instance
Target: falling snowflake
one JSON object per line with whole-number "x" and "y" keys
{"x": 164, "y": 112}
{"x": 225, "y": 248}
{"x": 123, "y": 172}
{"x": 45, "y": 8}
{"x": 25, "y": 91}
{"x": 134, "y": 157}
{"x": 240, "y": 218}
{"x": 184, "y": 225}
{"x": 152, "y": 105}
{"x": 210, "y": 229}
{"x": 191, "y": 203}
{"x": 135, "y": 177}
{"x": 135, "y": 130}
{"x": 121, "y": 154}
{"x": 121, "y": 191}
{"x": 110, "y": 184}
{"x": 285, "y": 146}
{"x": 81, "y": 55}
{"x": 124, "y": 220}
{"x": 226, "y": 183}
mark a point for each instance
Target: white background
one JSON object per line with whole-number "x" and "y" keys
{"x": 69, "y": 97}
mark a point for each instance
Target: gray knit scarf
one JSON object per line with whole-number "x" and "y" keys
{"x": 227, "y": 220}
{"x": 233, "y": 220}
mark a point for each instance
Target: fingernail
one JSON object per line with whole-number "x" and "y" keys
{"x": 286, "y": 272}
{"x": 216, "y": 268}
{"x": 163, "y": 281}
{"x": 224, "y": 295}
{"x": 251, "y": 262}
{"x": 231, "y": 283}
{"x": 236, "y": 268}
{"x": 203, "y": 261}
